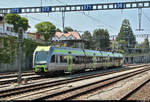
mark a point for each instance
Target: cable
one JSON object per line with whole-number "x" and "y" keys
{"x": 94, "y": 19}
{"x": 97, "y": 20}
{"x": 61, "y": 2}
{"x": 146, "y": 17}
{"x": 35, "y": 18}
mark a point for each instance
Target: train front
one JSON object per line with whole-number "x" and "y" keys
{"x": 40, "y": 58}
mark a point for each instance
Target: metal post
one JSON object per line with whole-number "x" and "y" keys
{"x": 3, "y": 23}
{"x": 20, "y": 39}
{"x": 41, "y": 3}
{"x": 140, "y": 15}
{"x": 63, "y": 20}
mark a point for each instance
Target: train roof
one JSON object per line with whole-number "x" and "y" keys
{"x": 65, "y": 50}
{"x": 76, "y": 51}
{"x": 79, "y": 52}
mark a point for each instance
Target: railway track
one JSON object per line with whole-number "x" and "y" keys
{"x": 12, "y": 78}
{"x": 8, "y": 73}
{"x": 19, "y": 93}
{"x": 15, "y": 75}
{"x": 84, "y": 89}
{"x": 129, "y": 94}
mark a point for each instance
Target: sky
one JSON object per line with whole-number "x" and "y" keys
{"x": 107, "y": 19}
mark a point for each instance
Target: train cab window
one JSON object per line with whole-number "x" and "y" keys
{"x": 53, "y": 59}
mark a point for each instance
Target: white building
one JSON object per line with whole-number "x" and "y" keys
{"x": 8, "y": 29}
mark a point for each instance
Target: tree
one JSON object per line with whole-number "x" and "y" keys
{"x": 145, "y": 44}
{"x": 101, "y": 39}
{"x": 17, "y": 21}
{"x": 88, "y": 37}
{"x": 68, "y": 29}
{"x": 47, "y": 29}
{"x": 126, "y": 34}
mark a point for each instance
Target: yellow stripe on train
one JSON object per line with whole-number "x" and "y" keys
{"x": 42, "y": 48}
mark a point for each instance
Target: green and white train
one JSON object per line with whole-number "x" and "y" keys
{"x": 48, "y": 59}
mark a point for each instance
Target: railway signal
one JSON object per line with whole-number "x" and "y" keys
{"x": 20, "y": 40}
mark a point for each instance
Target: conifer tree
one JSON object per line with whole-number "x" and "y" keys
{"x": 126, "y": 35}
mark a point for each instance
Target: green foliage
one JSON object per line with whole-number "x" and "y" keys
{"x": 137, "y": 45}
{"x": 145, "y": 44}
{"x": 87, "y": 37}
{"x": 68, "y": 29}
{"x": 17, "y": 21}
{"x": 29, "y": 47}
{"x": 101, "y": 39}
{"x": 121, "y": 51}
{"x": 122, "y": 44}
{"x": 126, "y": 35}
{"x": 47, "y": 29}
{"x": 8, "y": 53}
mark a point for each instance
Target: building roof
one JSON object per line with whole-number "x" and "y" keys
{"x": 76, "y": 35}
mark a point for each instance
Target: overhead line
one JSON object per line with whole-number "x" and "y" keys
{"x": 146, "y": 17}
{"x": 61, "y": 2}
{"x": 95, "y": 19}
{"x": 91, "y": 17}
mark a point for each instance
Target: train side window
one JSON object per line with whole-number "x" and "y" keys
{"x": 53, "y": 59}
{"x": 76, "y": 60}
{"x": 73, "y": 59}
{"x": 86, "y": 59}
{"x": 63, "y": 59}
{"x": 57, "y": 58}
{"x": 98, "y": 59}
{"x": 91, "y": 60}
{"x": 103, "y": 59}
{"x": 82, "y": 59}
{"x": 79, "y": 59}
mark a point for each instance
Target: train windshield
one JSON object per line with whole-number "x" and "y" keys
{"x": 41, "y": 57}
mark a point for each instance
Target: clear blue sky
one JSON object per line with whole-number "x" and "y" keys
{"x": 108, "y": 19}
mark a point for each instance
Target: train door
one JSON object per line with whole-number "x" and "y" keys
{"x": 94, "y": 62}
{"x": 69, "y": 63}
{"x": 108, "y": 61}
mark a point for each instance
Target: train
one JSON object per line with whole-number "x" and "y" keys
{"x": 51, "y": 59}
